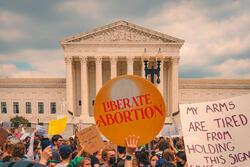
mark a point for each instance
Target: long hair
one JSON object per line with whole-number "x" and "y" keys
{"x": 18, "y": 151}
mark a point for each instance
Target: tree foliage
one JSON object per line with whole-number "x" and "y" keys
{"x": 19, "y": 120}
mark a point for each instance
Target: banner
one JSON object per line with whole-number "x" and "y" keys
{"x": 57, "y": 126}
{"x": 217, "y": 133}
{"x": 129, "y": 105}
{"x": 91, "y": 139}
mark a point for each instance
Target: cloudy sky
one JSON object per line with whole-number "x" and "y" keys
{"x": 216, "y": 33}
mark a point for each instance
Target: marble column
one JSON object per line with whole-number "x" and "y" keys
{"x": 84, "y": 86}
{"x": 174, "y": 79}
{"x": 98, "y": 64}
{"x": 130, "y": 64}
{"x": 113, "y": 67}
{"x": 142, "y": 68}
{"x": 69, "y": 83}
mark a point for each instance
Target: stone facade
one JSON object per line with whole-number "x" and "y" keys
{"x": 116, "y": 49}
{"x": 201, "y": 90}
{"x": 49, "y": 90}
{"x": 45, "y": 91}
{"x": 94, "y": 57}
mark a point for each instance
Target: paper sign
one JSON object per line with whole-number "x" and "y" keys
{"x": 128, "y": 105}
{"x": 217, "y": 133}
{"x": 91, "y": 139}
{"x": 169, "y": 130}
{"x": 6, "y": 125}
{"x": 3, "y": 136}
{"x": 57, "y": 126}
{"x": 40, "y": 130}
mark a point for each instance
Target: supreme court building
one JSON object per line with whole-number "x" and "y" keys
{"x": 120, "y": 48}
{"x": 94, "y": 57}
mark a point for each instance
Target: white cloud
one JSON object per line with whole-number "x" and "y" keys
{"x": 86, "y": 8}
{"x": 11, "y": 70}
{"x": 9, "y": 18}
{"x": 6, "y": 69}
{"x": 44, "y": 63}
{"x": 233, "y": 68}
{"x": 10, "y": 28}
{"x": 11, "y": 34}
{"x": 206, "y": 39}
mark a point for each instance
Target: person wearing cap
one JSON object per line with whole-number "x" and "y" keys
{"x": 65, "y": 152}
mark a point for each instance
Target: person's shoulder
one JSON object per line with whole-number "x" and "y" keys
{"x": 75, "y": 161}
{"x": 21, "y": 163}
{"x": 161, "y": 162}
{"x": 169, "y": 164}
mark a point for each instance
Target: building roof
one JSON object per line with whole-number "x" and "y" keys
{"x": 214, "y": 83}
{"x": 119, "y": 32}
{"x": 183, "y": 83}
{"x": 32, "y": 83}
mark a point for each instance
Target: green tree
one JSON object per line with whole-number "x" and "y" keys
{"x": 19, "y": 120}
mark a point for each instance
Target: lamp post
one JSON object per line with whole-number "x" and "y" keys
{"x": 152, "y": 71}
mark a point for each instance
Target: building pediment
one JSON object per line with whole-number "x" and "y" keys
{"x": 120, "y": 32}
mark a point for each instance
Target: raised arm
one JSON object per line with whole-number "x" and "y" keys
{"x": 131, "y": 145}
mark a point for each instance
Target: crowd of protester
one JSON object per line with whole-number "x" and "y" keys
{"x": 37, "y": 150}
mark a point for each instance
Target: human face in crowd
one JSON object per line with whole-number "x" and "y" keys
{"x": 36, "y": 150}
{"x": 59, "y": 142}
{"x": 111, "y": 156}
{"x": 180, "y": 162}
{"x": 99, "y": 155}
{"x": 86, "y": 163}
{"x": 111, "y": 153}
{"x": 153, "y": 160}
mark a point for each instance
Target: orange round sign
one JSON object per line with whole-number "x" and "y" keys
{"x": 129, "y": 105}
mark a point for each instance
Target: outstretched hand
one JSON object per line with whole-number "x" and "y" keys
{"x": 131, "y": 144}
{"x": 45, "y": 155}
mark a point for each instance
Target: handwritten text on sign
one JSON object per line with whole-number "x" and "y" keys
{"x": 91, "y": 139}
{"x": 217, "y": 133}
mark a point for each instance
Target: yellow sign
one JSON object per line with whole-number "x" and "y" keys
{"x": 128, "y": 105}
{"x": 57, "y": 126}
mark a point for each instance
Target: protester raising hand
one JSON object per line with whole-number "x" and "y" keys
{"x": 81, "y": 150}
{"x": 131, "y": 145}
{"x": 46, "y": 154}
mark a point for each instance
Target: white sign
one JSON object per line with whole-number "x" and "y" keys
{"x": 40, "y": 130}
{"x": 169, "y": 130}
{"x": 217, "y": 133}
